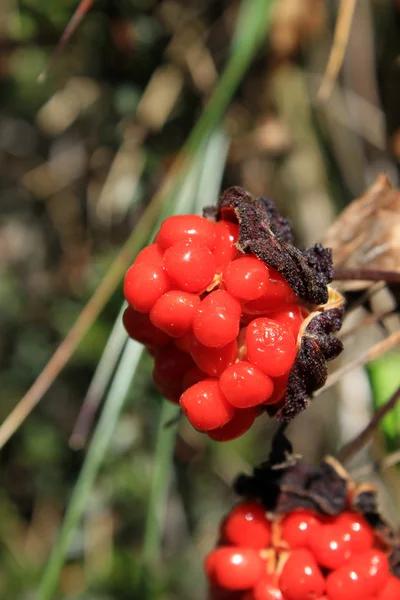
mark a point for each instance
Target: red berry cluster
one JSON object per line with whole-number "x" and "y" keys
{"x": 301, "y": 556}
{"x": 222, "y": 326}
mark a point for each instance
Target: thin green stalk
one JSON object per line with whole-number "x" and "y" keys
{"x": 157, "y": 505}
{"x": 98, "y": 447}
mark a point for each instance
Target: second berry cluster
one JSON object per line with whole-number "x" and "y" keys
{"x": 221, "y": 325}
{"x": 301, "y": 556}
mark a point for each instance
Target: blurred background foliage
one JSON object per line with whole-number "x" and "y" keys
{"x": 81, "y": 154}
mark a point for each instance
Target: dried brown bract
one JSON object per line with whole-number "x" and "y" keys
{"x": 266, "y": 234}
{"x": 285, "y": 483}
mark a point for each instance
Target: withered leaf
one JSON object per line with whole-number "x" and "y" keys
{"x": 364, "y": 499}
{"x": 367, "y": 233}
{"x": 285, "y": 483}
{"x": 309, "y": 372}
{"x": 267, "y": 235}
{"x": 294, "y": 484}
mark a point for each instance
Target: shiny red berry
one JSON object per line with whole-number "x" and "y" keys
{"x": 246, "y": 278}
{"x": 237, "y": 568}
{"x": 192, "y": 376}
{"x": 217, "y": 319}
{"x": 331, "y": 547}
{"x": 270, "y": 346}
{"x": 299, "y": 527}
{"x": 190, "y": 266}
{"x": 373, "y": 566}
{"x": 301, "y": 578}
{"x": 186, "y": 228}
{"x": 391, "y": 591}
{"x": 291, "y": 316}
{"x": 226, "y": 236}
{"x": 265, "y": 589}
{"x": 346, "y": 584}
{"x": 361, "y": 534}
{"x": 170, "y": 391}
{"x": 247, "y": 526}
{"x": 244, "y": 385}
{"x": 205, "y": 406}
{"x": 279, "y": 391}
{"x": 277, "y": 294}
{"x": 171, "y": 364}
{"x": 212, "y": 361}
{"x": 150, "y": 255}
{"x": 144, "y": 284}
{"x": 241, "y": 422}
{"x": 174, "y": 312}
{"x": 140, "y": 328}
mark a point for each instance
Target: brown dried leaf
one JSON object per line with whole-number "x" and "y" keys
{"x": 364, "y": 499}
{"x": 286, "y": 483}
{"x": 316, "y": 346}
{"x": 292, "y": 483}
{"x": 263, "y": 232}
{"x": 367, "y": 233}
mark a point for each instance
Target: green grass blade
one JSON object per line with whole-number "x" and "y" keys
{"x": 100, "y": 381}
{"x": 160, "y": 482}
{"x": 98, "y": 447}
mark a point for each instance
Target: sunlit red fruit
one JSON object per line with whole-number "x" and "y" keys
{"x": 292, "y": 564}
{"x": 223, "y": 314}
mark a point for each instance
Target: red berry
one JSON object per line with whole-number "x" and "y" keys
{"x": 226, "y": 235}
{"x": 247, "y": 526}
{"x": 277, "y": 294}
{"x": 212, "y": 361}
{"x": 186, "y": 228}
{"x": 144, "y": 284}
{"x": 246, "y": 278}
{"x": 140, "y": 328}
{"x": 217, "y": 319}
{"x": 299, "y": 527}
{"x": 170, "y": 365}
{"x": 190, "y": 266}
{"x": 237, "y": 568}
{"x": 185, "y": 341}
{"x": 391, "y": 591}
{"x": 174, "y": 312}
{"x": 265, "y": 589}
{"x": 192, "y": 376}
{"x": 279, "y": 391}
{"x": 290, "y": 316}
{"x": 346, "y": 584}
{"x": 171, "y": 391}
{"x": 241, "y": 422}
{"x": 150, "y": 255}
{"x": 205, "y": 406}
{"x": 244, "y": 385}
{"x": 373, "y": 566}
{"x": 270, "y": 346}
{"x": 331, "y": 547}
{"x": 301, "y": 578}
{"x": 361, "y": 534}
